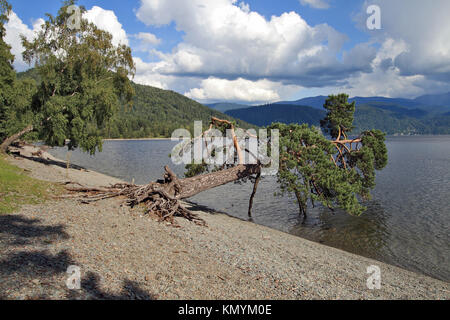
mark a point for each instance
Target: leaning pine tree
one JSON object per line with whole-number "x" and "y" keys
{"x": 85, "y": 79}
{"x": 337, "y": 172}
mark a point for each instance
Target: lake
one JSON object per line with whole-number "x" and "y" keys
{"x": 406, "y": 224}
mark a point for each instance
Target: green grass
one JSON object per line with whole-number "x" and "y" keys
{"x": 17, "y": 189}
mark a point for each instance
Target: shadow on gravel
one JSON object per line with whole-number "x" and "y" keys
{"x": 192, "y": 206}
{"x": 90, "y": 289}
{"x": 21, "y": 267}
{"x": 18, "y": 231}
{"x": 49, "y": 162}
{"x": 36, "y": 268}
{"x": 36, "y": 264}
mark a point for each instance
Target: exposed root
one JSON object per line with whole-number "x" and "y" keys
{"x": 158, "y": 198}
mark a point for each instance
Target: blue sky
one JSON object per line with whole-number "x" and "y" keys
{"x": 339, "y": 16}
{"x": 259, "y": 51}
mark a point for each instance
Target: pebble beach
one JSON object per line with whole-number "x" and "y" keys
{"x": 124, "y": 254}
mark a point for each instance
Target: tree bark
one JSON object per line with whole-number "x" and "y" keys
{"x": 163, "y": 197}
{"x": 302, "y": 205}
{"x": 195, "y": 185}
{"x": 4, "y": 146}
{"x": 255, "y": 188}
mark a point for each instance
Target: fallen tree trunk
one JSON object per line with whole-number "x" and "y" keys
{"x": 195, "y": 185}
{"x": 8, "y": 141}
{"x": 163, "y": 197}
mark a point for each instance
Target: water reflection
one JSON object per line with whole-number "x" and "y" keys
{"x": 365, "y": 235}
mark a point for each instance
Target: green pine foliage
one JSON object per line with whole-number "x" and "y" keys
{"x": 340, "y": 115}
{"x": 311, "y": 169}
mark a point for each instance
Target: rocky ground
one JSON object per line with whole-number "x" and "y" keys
{"x": 125, "y": 255}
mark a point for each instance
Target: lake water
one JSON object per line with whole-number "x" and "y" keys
{"x": 406, "y": 224}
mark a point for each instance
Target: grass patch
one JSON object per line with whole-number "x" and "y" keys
{"x": 17, "y": 188}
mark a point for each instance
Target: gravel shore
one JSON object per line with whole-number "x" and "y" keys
{"x": 125, "y": 255}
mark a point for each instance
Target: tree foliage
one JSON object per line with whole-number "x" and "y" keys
{"x": 84, "y": 80}
{"x": 338, "y": 172}
{"x": 7, "y": 73}
{"x": 157, "y": 113}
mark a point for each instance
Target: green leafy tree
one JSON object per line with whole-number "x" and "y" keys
{"x": 338, "y": 172}
{"x": 84, "y": 80}
{"x": 7, "y": 73}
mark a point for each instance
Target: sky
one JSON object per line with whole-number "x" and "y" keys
{"x": 262, "y": 51}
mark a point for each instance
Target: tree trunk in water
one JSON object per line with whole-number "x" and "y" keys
{"x": 302, "y": 205}
{"x": 255, "y": 188}
{"x": 4, "y": 146}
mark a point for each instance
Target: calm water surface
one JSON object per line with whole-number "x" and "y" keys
{"x": 407, "y": 222}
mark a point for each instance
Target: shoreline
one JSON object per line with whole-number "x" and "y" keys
{"x": 387, "y": 136}
{"x": 231, "y": 259}
{"x": 140, "y": 139}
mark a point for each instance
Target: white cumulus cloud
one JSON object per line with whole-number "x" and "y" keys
{"x": 14, "y": 29}
{"x": 224, "y": 39}
{"x": 261, "y": 91}
{"x": 107, "y": 20}
{"x": 414, "y": 54}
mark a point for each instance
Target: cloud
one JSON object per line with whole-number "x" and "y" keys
{"x": 224, "y": 39}
{"x": 107, "y": 20}
{"x": 261, "y": 91}
{"x": 414, "y": 57}
{"x": 148, "y": 38}
{"x": 317, "y": 4}
{"x": 385, "y": 80}
{"x": 426, "y": 30}
{"x": 14, "y": 29}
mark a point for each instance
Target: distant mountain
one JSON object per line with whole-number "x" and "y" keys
{"x": 389, "y": 118}
{"x": 267, "y": 114}
{"x": 225, "y": 106}
{"x": 435, "y": 100}
{"x": 406, "y": 103}
{"x": 315, "y": 102}
{"x": 319, "y": 101}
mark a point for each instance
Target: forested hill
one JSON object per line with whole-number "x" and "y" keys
{"x": 392, "y": 119}
{"x": 156, "y": 113}
{"x": 265, "y": 115}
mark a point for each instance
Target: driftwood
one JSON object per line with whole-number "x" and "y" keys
{"x": 4, "y": 146}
